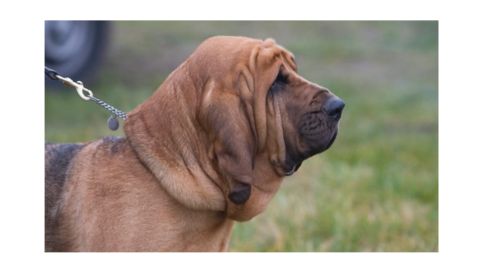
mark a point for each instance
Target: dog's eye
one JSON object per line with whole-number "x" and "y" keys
{"x": 281, "y": 78}
{"x": 280, "y": 81}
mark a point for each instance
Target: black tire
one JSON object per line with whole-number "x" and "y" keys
{"x": 75, "y": 48}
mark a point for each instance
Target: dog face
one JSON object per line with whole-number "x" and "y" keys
{"x": 263, "y": 118}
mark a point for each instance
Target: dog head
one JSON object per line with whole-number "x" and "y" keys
{"x": 262, "y": 118}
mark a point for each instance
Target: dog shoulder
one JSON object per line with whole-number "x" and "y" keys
{"x": 57, "y": 161}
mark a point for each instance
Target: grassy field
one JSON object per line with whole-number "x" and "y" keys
{"x": 376, "y": 189}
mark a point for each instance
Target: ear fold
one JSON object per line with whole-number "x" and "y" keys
{"x": 227, "y": 124}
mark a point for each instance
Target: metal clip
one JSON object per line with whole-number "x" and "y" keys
{"x": 78, "y": 87}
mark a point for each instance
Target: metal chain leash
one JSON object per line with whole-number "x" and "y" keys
{"x": 109, "y": 107}
{"x": 87, "y": 95}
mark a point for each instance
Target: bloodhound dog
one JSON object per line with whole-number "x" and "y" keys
{"x": 208, "y": 148}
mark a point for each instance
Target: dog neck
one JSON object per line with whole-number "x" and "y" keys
{"x": 169, "y": 147}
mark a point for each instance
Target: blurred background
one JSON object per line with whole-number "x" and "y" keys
{"x": 375, "y": 189}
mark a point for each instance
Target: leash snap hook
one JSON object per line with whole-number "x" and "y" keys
{"x": 81, "y": 89}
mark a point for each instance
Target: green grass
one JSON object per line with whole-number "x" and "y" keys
{"x": 376, "y": 189}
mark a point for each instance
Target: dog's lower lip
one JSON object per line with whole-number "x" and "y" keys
{"x": 290, "y": 170}
{"x": 332, "y": 140}
{"x": 288, "y": 173}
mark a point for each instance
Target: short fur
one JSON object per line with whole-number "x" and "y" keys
{"x": 208, "y": 148}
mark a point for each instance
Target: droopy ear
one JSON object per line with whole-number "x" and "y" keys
{"x": 225, "y": 118}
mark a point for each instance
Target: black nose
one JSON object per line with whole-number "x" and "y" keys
{"x": 334, "y": 107}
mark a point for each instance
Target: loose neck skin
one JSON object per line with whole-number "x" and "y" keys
{"x": 168, "y": 140}
{"x": 174, "y": 225}
{"x": 120, "y": 205}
